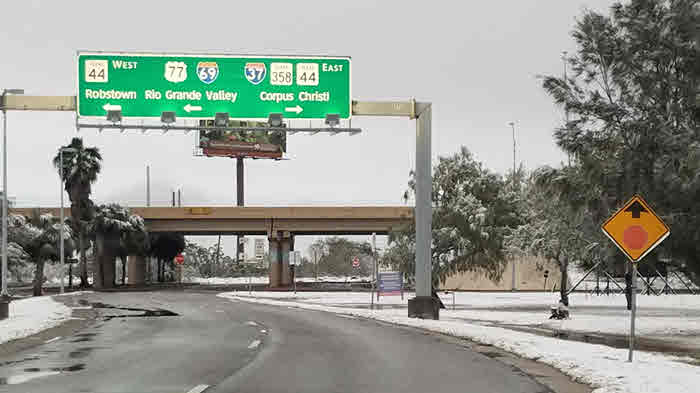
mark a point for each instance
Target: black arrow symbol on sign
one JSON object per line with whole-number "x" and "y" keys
{"x": 636, "y": 208}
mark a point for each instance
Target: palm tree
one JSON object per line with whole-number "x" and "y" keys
{"x": 164, "y": 247}
{"x": 17, "y": 239}
{"x": 109, "y": 225}
{"x": 39, "y": 238}
{"x": 81, "y": 165}
{"x": 135, "y": 244}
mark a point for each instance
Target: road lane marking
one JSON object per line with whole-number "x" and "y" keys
{"x": 254, "y": 344}
{"x": 52, "y": 340}
{"x": 198, "y": 389}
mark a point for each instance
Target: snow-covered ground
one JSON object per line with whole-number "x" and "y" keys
{"x": 228, "y": 280}
{"x": 32, "y": 315}
{"x": 657, "y": 315}
{"x": 602, "y": 367}
{"x": 265, "y": 280}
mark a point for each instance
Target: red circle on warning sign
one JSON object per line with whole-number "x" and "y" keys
{"x": 635, "y": 237}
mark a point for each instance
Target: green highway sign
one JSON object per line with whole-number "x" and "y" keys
{"x": 199, "y": 86}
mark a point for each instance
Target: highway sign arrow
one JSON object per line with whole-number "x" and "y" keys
{"x": 192, "y": 108}
{"x": 296, "y": 109}
{"x": 636, "y": 208}
{"x": 109, "y": 107}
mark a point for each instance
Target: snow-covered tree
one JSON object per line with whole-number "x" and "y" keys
{"x": 473, "y": 210}
{"x": 38, "y": 238}
{"x": 81, "y": 165}
{"x": 633, "y": 129}
{"x": 553, "y": 227}
{"x": 110, "y": 224}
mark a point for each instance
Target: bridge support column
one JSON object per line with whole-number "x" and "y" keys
{"x": 287, "y": 245}
{"x": 136, "y": 269}
{"x": 275, "y": 269}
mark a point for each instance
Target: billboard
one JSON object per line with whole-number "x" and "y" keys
{"x": 241, "y": 143}
{"x": 390, "y": 283}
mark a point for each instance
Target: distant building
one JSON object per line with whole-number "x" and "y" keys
{"x": 529, "y": 275}
{"x": 254, "y": 250}
{"x": 260, "y": 249}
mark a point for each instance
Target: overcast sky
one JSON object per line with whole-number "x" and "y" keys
{"x": 477, "y": 62}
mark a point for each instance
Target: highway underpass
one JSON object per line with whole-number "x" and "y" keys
{"x": 279, "y": 224}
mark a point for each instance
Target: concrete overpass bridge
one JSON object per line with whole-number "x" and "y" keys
{"x": 279, "y": 224}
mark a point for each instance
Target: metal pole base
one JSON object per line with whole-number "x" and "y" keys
{"x": 4, "y": 307}
{"x": 424, "y": 307}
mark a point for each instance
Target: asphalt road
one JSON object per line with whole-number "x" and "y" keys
{"x": 238, "y": 347}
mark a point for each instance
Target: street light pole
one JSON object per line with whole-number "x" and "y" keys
{"x": 60, "y": 270}
{"x": 566, "y": 111}
{"x": 4, "y": 295}
{"x": 512, "y": 125}
{"x": 62, "y": 214}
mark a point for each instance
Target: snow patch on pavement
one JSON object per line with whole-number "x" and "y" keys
{"x": 32, "y": 315}
{"x": 602, "y": 367}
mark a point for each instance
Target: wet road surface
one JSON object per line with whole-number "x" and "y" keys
{"x": 186, "y": 341}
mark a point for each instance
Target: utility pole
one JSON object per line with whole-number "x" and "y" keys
{"x": 179, "y": 197}
{"x": 313, "y": 249}
{"x": 240, "y": 246}
{"x": 374, "y": 267}
{"x": 216, "y": 261}
{"x": 4, "y": 295}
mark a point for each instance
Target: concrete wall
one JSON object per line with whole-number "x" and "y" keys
{"x": 527, "y": 277}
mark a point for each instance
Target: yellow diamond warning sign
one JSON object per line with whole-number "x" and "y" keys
{"x": 636, "y": 229}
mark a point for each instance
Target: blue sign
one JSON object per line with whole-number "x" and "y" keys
{"x": 390, "y": 283}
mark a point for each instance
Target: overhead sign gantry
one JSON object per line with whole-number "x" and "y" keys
{"x": 200, "y": 86}
{"x": 123, "y": 97}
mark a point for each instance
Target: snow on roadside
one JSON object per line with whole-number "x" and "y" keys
{"x": 32, "y": 315}
{"x": 602, "y": 367}
{"x": 496, "y": 300}
{"x": 265, "y": 280}
{"x": 658, "y": 315}
{"x": 228, "y": 280}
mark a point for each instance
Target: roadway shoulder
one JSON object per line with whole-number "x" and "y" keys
{"x": 81, "y": 317}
